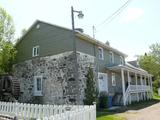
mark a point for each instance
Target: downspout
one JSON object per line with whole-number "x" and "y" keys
{"x": 97, "y": 66}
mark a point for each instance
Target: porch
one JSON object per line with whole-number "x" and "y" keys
{"x": 136, "y": 83}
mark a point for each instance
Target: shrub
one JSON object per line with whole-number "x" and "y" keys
{"x": 103, "y": 100}
{"x": 90, "y": 91}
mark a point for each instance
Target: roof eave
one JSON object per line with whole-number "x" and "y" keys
{"x": 92, "y": 40}
{"x": 26, "y": 32}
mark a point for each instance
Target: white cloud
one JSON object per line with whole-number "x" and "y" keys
{"x": 132, "y": 14}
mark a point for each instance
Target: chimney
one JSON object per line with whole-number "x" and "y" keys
{"x": 107, "y": 43}
{"x": 79, "y": 30}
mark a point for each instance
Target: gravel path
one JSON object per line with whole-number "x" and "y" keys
{"x": 149, "y": 113}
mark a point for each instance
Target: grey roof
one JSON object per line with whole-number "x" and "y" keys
{"x": 134, "y": 63}
{"x": 130, "y": 67}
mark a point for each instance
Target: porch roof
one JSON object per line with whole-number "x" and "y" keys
{"x": 130, "y": 68}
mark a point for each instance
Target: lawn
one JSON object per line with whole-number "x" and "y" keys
{"x": 108, "y": 115}
{"x": 156, "y": 97}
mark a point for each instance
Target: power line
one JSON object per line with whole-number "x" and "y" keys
{"x": 113, "y": 15}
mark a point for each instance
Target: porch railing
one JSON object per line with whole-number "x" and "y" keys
{"x": 139, "y": 88}
{"x": 135, "y": 88}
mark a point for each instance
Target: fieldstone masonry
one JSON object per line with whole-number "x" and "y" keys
{"x": 59, "y": 85}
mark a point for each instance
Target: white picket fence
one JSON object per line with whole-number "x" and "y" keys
{"x": 48, "y": 112}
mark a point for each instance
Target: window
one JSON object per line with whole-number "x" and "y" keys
{"x": 100, "y": 53}
{"x": 38, "y": 86}
{"x": 121, "y": 60}
{"x": 35, "y": 51}
{"x": 111, "y": 57}
{"x": 113, "y": 79}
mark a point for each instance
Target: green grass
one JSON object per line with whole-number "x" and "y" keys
{"x": 109, "y": 117}
{"x": 156, "y": 97}
{"x": 104, "y": 114}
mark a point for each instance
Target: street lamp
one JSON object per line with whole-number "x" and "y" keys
{"x": 80, "y": 16}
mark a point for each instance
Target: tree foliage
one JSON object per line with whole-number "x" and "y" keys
{"x": 155, "y": 52}
{"x": 90, "y": 91}
{"x": 151, "y": 63}
{"x": 6, "y": 26}
{"x": 7, "y": 50}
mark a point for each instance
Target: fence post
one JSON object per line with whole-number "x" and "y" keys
{"x": 94, "y": 113}
{"x": 16, "y": 111}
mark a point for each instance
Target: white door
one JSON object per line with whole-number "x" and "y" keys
{"x": 103, "y": 82}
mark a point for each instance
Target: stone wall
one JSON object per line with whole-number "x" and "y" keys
{"x": 59, "y": 85}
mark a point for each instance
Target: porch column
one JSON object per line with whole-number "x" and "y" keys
{"x": 136, "y": 87}
{"x": 129, "y": 83}
{"x": 142, "y": 88}
{"x": 151, "y": 86}
{"x": 149, "y": 80}
{"x": 145, "y": 85}
{"x": 143, "y": 80}
{"x": 123, "y": 86}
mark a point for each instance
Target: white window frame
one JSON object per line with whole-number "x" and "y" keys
{"x": 113, "y": 79}
{"x": 36, "y": 91}
{"x": 35, "y": 51}
{"x": 100, "y": 55}
{"x": 121, "y": 60}
{"x": 111, "y": 57}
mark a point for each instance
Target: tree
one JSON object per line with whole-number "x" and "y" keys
{"x": 7, "y": 57}
{"x": 7, "y": 50}
{"x": 155, "y": 52}
{"x": 6, "y": 26}
{"x": 151, "y": 62}
{"x": 90, "y": 91}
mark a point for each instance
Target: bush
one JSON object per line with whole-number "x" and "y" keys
{"x": 103, "y": 100}
{"x": 90, "y": 90}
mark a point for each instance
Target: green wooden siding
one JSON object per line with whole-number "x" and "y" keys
{"x": 51, "y": 39}
{"x": 92, "y": 49}
{"x": 118, "y": 87}
{"x": 85, "y": 47}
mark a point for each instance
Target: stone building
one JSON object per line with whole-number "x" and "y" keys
{"x": 50, "y": 72}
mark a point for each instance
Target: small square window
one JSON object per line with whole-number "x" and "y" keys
{"x": 35, "y": 51}
{"x": 113, "y": 79}
{"x": 100, "y": 53}
{"x": 38, "y": 86}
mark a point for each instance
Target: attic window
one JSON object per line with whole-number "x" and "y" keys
{"x": 35, "y": 51}
{"x": 38, "y": 26}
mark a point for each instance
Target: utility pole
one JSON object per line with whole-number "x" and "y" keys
{"x": 93, "y": 30}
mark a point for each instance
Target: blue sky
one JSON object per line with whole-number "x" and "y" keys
{"x": 131, "y": 32}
